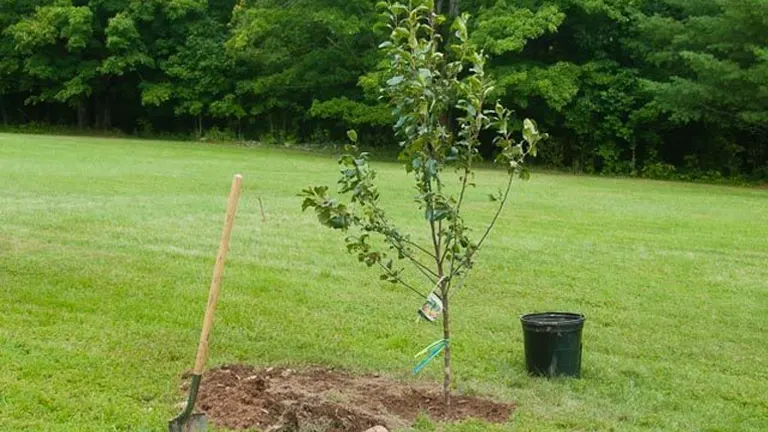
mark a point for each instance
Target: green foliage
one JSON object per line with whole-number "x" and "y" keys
{"x": 215, "y": 134}
{"x": 352, "y": 112}
{"x": 615, "y": 80}
{"x": 198, "y": 69}
{"x": 708, "y": 69}
{"x": 660, "y": 171}
{"x": 719, "y": 60}
{"x": 506, "y": 28}
{"x": 56, "y": 28}
{"x": 128, "y": 51}
{"x": 298, "y": 54}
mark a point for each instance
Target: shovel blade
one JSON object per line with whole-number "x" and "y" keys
{"x": 193, "y": 423}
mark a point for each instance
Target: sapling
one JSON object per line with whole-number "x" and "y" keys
{"x": 439, "y": 94}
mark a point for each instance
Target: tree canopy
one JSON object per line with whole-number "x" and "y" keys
{"x": 664, "y": 88}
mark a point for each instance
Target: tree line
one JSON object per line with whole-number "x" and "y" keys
{"x": 660, "y": 88}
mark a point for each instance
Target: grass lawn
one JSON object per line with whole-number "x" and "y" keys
{"x": 106, "y": 249}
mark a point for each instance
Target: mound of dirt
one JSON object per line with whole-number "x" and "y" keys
{"x": 288, "y": 400}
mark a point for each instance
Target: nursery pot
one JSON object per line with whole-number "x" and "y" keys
{"x": 553, "y": 343}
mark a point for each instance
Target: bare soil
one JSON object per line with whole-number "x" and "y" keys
{"x": 316, "y": 399}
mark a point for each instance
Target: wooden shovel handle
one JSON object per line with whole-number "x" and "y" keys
{"x": 218, "y": 270}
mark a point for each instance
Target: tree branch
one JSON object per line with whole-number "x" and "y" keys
{"x": 431, "y": 207}
{"x": 426, "y": 271}
{"x": 440, "y": 237}
{"x": 488, "y": 230}
{"x": 419, "y": 247}
{"x": 434, "y": 242}
{"x": 400, "y": 280}
{"x": 456, "y": 216}
{"x": 439, "y": 222}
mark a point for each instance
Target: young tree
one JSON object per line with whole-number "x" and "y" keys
{"x": 428, "y": 79}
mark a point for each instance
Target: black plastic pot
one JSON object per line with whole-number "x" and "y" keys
{"x": 553, "y": 343}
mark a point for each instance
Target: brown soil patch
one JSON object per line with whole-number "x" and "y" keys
{"x": 322, "y": 400}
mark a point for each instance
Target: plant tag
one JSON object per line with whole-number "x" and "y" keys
{"x": 432, "y": 308}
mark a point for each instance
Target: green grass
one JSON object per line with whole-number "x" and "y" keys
{"x": 106, "y": 249}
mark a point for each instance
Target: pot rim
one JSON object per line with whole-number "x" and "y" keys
{"x": 562, "y": 319}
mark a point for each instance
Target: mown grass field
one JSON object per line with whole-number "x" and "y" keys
{"x": 106, "y": 249}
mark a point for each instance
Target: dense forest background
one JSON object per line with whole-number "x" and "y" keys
{"x": 660, "y": 88}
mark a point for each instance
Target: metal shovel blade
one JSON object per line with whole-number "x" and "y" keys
{"x": 192, "y": 423}
{"x": 187, "y": 421}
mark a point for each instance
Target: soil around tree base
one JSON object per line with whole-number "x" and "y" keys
{"x": 317, "y": 399}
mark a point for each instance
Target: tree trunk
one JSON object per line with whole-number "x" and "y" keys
{"x": 97, "y": 111}
{"x": 447, "y": 352}
{"x": 106, "y": 120}
{"x": 4, "y": 115}
{"x": 453, "y": 8}
{"x": 199, "y": 126}
{"x": 444, "y": 287}
{"x": 24, "y": 116}
{"x": 82, "y": 114}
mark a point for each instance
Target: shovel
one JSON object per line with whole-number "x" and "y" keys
{"x": 187, "y": 421}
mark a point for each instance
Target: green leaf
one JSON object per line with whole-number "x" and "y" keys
{"x": 525, "y": 174}
{"x": 431, "y": 168}
{"x": 530, "y": 131}
{"x": 400, "y": 33}
{"x": 352, "y": 134}
{"x": 339, "y": 222}
{"x": 396, "y": 80}
{"x": 308, "y": 202}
